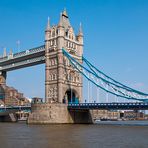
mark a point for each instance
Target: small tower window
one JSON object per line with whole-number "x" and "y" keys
{"x": 53, "y": 33}
{"x": 66, "y": 33}
{"x": 51, "y": 76}
{"x": 49, "y": 34}
{"x": 57, "y": 31}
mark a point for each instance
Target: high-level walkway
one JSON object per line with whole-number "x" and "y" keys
{"x": 23, "y": 59}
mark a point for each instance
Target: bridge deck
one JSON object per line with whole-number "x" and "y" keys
{"x": 109, "y": 106}
{"x": 23, "y": 59}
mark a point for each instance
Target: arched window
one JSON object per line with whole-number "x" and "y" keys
{"x": 75, "y": 79}
{"x": 57, "y": 31}
{"x": 52, "y": 62}
{"x": 53, "y": 33}
{"x": 50, "y": 34}
{"x": 54, "y": 76}
{"x": 49, "y": 77}
{"x": 49, "y": 63}
{"x": 55, "y": 61}
{"x": 66, "y": 33}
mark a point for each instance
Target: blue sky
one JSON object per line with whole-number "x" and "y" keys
{"x": 115, "y": 37}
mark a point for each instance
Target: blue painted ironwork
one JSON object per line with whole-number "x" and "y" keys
{"x": 23, "y": 59}
{"x": 116, "y": 88}
{"x": 23, "y": 53}
{"x": 109, "y": 106}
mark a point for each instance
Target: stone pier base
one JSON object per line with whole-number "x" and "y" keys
{"x": 47, "y": 113}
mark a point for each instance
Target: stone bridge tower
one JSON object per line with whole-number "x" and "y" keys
{"x": 63, "y": 83}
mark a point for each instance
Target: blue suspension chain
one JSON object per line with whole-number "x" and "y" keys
{"x": 73, "y": 60}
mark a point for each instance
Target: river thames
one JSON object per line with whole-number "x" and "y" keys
{"x": 101, "y": 135}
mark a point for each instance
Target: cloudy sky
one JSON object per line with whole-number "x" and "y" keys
{"x": 115, "y": 37}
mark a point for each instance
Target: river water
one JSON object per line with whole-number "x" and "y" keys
{"x": 101, "y": 135}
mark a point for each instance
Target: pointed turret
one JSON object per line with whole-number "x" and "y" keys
{"x": 65, "y": 13}
{"x": 64, "y": 20}
{"x": 48, "y": 24}
{"x": 80, "y": 30}
{"x": 61, "y": 21}
{"x": 4, "y": 52}
{"x": 80, "y": 34}
{"x": 10, "y": 53}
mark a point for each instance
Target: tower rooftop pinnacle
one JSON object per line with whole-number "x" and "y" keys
{"x": 65, "y": 13}
{"x": 61, "y": 21}
{"x": 11, "y": 52}
{"x": 80, "y": 30}
{"x": 64, "y": 20}
{"x": 4, "y": 52}
{"x": 48, "y": 24}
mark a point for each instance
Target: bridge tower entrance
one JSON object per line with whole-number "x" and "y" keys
{"x": 60, "y": 75}
{"x": 71, "y": 96}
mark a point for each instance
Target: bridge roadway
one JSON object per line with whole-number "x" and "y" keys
{"x": 109, "y": 106}
{"x": 85, "y": 106}
{"x": 23, "y": 59}
{"x": 12, "y": 109}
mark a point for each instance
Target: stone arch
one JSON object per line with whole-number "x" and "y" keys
{"x": 71, "y": 96}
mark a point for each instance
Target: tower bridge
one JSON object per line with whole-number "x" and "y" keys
{"x": 65, "y": 68}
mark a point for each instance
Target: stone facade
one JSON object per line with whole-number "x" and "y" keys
{"x": 105, "y": 114}
{"x": 62, "y": 81}
{"x": 11, "y": 96}
{"x": 133, "y": 115}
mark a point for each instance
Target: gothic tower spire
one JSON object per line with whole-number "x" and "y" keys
{"x": 80, "y": 30}
{"x": 11, "y": 52}
{"x": 4, "y": 52}
{"x": 65, "y": 12}
{"x": 61, "y": 21}
{"x": 48, "y": 24}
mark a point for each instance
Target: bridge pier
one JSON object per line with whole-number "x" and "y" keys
{"x": 57, "y": 113}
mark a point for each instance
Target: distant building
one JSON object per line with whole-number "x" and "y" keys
{"x": 133, "y": 115}
{"x": 11, "y": 96}
{"x": 105, "y": 114}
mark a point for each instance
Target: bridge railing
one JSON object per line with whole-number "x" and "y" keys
{"x": 13, "y": 65}
{"x": 23, "y": 53}
{"x": 15, "y": 108}
{"x": 117, "y": 106}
